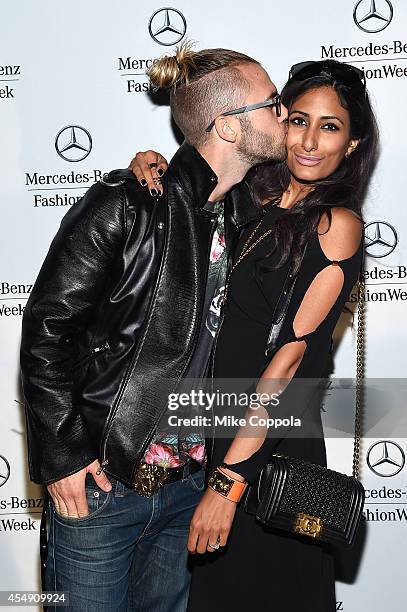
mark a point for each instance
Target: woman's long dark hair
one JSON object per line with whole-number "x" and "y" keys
{"x": 345, "y": 187}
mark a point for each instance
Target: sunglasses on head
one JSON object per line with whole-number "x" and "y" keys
{"x": 345, "y": 73}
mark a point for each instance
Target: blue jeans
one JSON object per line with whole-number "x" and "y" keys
{"x": 91, "y": 557}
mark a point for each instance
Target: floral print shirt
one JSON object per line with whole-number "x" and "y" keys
{"x": 174, "y": 449}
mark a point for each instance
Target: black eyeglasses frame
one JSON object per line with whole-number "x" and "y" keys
{"x": 276, "y": 101}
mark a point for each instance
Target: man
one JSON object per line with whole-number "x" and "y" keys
{"x": 118, "y": 312}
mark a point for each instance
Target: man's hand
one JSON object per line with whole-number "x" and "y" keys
{"x": 69, "y": 494}
{"x": 149, "y": 166}
{"x": 212, "y": 520}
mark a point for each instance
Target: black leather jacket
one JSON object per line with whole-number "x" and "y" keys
{"x": 114, "y": 315}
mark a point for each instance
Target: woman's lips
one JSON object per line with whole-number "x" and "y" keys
{"x": 306, "y": 160}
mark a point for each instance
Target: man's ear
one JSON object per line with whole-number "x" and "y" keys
{"x": 227, "y": 128}
{"x": 351, "y": 147}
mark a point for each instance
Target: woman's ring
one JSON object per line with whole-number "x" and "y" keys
{"x": 153, "y": 165}
{"x": 215, "y": 546}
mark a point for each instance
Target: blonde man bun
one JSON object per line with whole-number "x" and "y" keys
{"x": 172, "y": 70}
{"x": 202, "y": 85}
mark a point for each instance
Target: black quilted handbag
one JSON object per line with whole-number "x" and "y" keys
{"x": 300, "y": 497}
{"x": 308, "y": 499}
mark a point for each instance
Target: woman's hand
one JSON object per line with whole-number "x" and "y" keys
{"x": 149, "y": 166}
{"x": 211, "y": 522}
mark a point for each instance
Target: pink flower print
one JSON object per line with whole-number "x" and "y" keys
{"x": 161, "y": 454}
{"x": 218, "y": 246}
{"x": 197, "y": 452}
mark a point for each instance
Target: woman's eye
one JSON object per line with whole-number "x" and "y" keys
{"x": 297, "y": 120}
{"x": 331, "y": 127}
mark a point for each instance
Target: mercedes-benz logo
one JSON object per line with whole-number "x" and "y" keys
{"x": 4, "y": 470}
{"x": 380, "y": 239}
{"x": 385, "y": 458}
{"x": 373, "y": 16}
{"x": 167, "y": 26}
{"x": 73, "y": 143}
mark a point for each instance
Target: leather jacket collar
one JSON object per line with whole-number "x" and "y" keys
{"x": 198, "y": 180}
{"x": 194, "y": 174}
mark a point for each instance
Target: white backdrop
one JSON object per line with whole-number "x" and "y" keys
{"x": 72, "y": 73}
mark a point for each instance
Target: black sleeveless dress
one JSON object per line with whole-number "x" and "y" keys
{"x": 267, "y": 569}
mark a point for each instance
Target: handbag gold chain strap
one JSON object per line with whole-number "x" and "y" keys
{"x": 359, "y": 395}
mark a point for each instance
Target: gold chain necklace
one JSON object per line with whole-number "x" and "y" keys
{"x": 247, "y": 248}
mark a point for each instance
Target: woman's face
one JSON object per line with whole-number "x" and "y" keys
{"x": 318, "y": 134}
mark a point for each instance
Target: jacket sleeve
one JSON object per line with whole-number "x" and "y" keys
{"x": 70, "y": 282}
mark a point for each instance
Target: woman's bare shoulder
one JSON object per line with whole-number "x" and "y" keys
{"x": 342, "y": 237}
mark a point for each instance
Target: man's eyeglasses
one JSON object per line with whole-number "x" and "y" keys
{"x": 345, "y": 73}
{"x": 276, "y": 101}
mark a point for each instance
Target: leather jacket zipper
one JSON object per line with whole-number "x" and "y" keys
{"x": 207, "y": 269}
{"x": 196, "y": 330}
{"x": 105, "y": 461}
{"x": 97, "y": 349}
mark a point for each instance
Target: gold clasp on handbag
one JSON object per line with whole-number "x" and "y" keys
{"x": 308, "y": 525}
{"x": 149, "y": 478}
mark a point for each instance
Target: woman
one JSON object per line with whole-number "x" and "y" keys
{"x": 312, "y": 200}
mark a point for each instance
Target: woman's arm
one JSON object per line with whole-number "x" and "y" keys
{"x": 250, "y": 439}
{"x": 214, "y": 515}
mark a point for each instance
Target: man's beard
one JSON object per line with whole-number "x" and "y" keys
{"x": 256, "y": 147}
